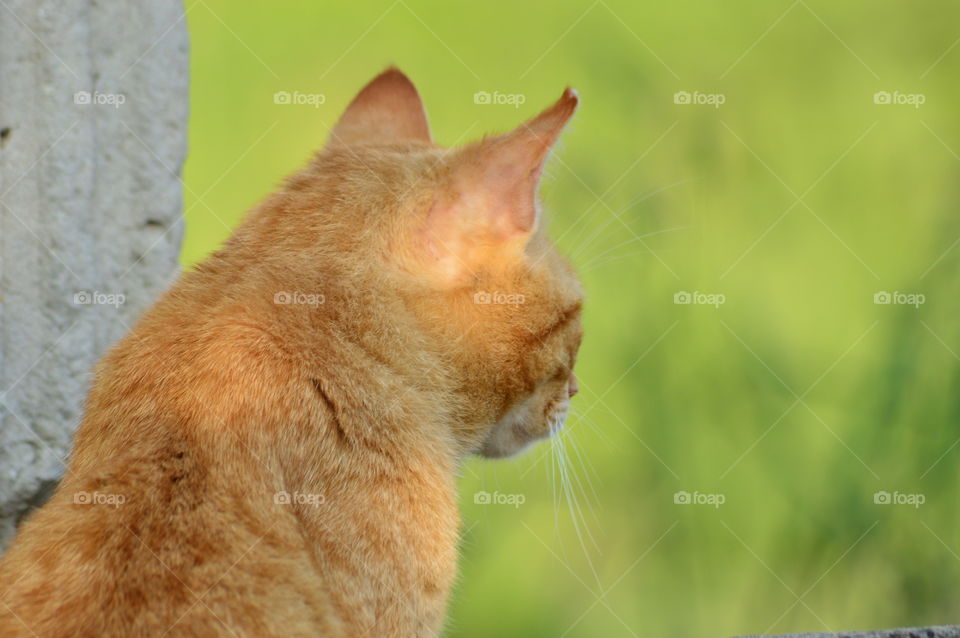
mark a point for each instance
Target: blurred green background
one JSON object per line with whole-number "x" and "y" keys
{"x": 798, "y": 198}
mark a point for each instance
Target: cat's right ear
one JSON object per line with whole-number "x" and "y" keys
{"x": 488, "y": 211}
{"x": 387, "y": 110}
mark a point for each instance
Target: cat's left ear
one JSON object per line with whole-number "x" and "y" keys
{"x": 490, "y": 208}
{"x": 387, "y": 110}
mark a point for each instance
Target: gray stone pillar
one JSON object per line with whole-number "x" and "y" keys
{"x": 93, "y": 110}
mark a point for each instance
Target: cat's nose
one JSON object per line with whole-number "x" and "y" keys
{"x": 572, "y": 386}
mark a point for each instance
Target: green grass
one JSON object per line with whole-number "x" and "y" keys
{"x": 797, "y": 199}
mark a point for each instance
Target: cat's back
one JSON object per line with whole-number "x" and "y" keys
{"x": 163, "y": 520}
{"x": 86, "y": 565}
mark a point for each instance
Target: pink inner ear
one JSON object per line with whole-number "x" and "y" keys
{"x": 490, "y": 205}
{"x": 511, "y": 188}
{"x": 508, "y": 167}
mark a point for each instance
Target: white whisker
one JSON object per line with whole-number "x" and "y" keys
{"x": 578, "y": 484}
{"x": 588, "y": 469}
{"x": 631, "y": 255}
{"x": 596, "y": 429}
{"x": 576, "y": 514}
{"x": 639, "y": 238}
{"x": 613, "y": 218}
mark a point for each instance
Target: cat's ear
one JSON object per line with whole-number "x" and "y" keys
{"x": 387, "y": 110}
{"x": 490, "y": 206}
{"x": 507, "y": 168}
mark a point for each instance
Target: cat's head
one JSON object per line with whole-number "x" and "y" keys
{"x": 463, "y": 246}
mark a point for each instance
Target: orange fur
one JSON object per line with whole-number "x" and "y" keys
{"x": 359, "y": 400}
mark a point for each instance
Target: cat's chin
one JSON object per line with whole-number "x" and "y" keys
{"x": 497, "y": 448}
{"x": 514, "y": 432}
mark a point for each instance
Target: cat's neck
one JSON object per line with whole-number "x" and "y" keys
{"x": 308, "y": 378}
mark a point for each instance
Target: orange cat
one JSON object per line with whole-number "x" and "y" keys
{"x": 272, "y": 451}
